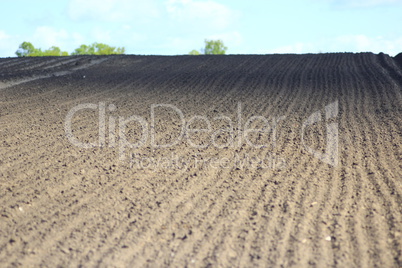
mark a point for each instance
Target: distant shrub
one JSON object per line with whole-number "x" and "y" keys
{"x": 26, "y": 49}
{"x": 194, "y": 52}
{"x": 98, "y": 49}
{"x": 212, "y": 47}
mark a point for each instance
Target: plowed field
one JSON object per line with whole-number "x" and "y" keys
{"x": 198, "y": 161}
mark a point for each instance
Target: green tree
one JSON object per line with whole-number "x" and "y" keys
{"x": 98, "y": 49}
{"x": 84, "y": 50}
{"x": 26, "y": 49}
{"x": 212, "y": 47}
{"x": 194, "y": 52}
{"x": 54, "y": 51}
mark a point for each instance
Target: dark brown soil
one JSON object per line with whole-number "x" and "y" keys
{"x": 218, "y": 203}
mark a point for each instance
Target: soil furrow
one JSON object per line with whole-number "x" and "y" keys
{"x": 318, "y": 138}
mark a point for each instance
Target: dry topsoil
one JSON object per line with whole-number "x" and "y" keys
{"x": 197, "y": 161}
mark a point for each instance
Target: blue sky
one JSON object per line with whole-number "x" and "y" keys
{"x": 171, "y": 27}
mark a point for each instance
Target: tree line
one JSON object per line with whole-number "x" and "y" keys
{"x": 211, "y": 47}
{"x": 26, "y": 49}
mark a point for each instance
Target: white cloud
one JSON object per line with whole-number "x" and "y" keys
{"x": 230, "y": 39}
{"x": 78, "y": 38}
{"x": 112, "y": 10}
{"x": 364, "y": 3}
{"x": 3, "y": 35}
{"x": 101, "y": 35}
{"x": 208, "y": 13}
{"x": 8, "y": 44}
{"x": 178, "y": 44}
{"x": 373, "y": 44}
{"x": 48, "y": 36}
{"x": 45, "y": 36}
{"x": 345, "y": 43}
{"x": 296, "y": 48}
{"x": 193, "y": 21}
{"x": 42, "y": 37}
{"x": 176, "y": 26}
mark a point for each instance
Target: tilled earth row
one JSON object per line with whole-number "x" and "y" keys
{"x": 233, "y": 161}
